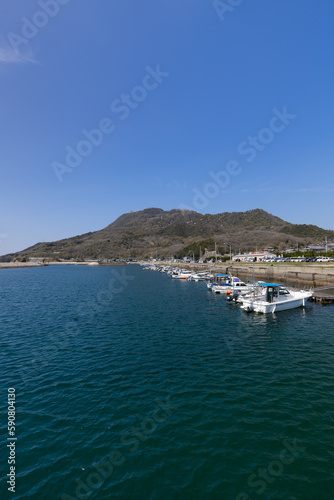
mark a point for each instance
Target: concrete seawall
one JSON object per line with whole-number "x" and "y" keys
{"x": 314, "y": 276}
{"x": 16, "y": 265}
{"x": 311, "y": 275}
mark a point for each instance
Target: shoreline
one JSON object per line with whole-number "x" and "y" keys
{"x": 313, "y": 275}
{"x": 18, "y": 265}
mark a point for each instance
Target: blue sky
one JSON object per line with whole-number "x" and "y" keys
{"x": 181, "y": 89}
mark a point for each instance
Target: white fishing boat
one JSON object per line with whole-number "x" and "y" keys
{"x": 210, "y": 285}
{"x": 232, "y": 284}
{"x": 218, "y": 280}
{"x": 183, "y": 274}
{"x": 206, "y": 275}
{"x": 271, "y": 298}
{"x": 253, "y": 290}
{"x": 195, "y": 277}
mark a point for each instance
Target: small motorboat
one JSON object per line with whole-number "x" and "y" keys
{"x": 274, "y": 298}
{"x": 231, "y": 285}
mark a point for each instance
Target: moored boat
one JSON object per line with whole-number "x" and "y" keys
{"x": 274, "y": 298}
{"x": 183, "y": 274}
{"x": 232, "y": 284}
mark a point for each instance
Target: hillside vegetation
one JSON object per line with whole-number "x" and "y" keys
{"x": 175, "y": 232}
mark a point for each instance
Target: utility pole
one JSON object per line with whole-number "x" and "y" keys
{"x": 230, "y": 251}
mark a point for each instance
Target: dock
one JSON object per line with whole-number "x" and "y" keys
{"x": 318, "y": 278}
{"x": 323, "y": 295}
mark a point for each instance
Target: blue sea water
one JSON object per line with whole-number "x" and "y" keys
{"x": 132, "y": 385}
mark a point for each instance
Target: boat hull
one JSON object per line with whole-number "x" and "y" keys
{"x": 272, "y": 307}
{"x": 229, "y": 289}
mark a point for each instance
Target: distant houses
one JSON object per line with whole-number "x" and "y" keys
{"x": 318, "y": 249}
{"x": 250, "y": 256}
{"x": 325, "y": 247}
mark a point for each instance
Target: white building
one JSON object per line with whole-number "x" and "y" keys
{"x": 249, "y": 257}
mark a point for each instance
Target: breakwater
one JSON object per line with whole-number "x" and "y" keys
{"x": 313, "y": 276}
{"x": 15, "y": 265}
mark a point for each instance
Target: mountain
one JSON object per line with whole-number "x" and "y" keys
{"x": 178, "y": 232}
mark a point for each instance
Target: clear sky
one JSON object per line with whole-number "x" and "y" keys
{"x": 179, "y": 89}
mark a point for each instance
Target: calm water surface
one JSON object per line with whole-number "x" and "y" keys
{"x": 132, "y": 385}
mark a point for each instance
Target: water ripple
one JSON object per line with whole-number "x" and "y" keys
{"x": 91, "y": 377}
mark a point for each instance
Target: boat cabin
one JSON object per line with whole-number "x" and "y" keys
{"x": 226, "y": 278}
{"x": 274, "y": 290}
